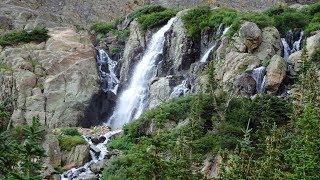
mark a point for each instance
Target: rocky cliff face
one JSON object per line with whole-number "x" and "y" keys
{"x": 53, "y": 81}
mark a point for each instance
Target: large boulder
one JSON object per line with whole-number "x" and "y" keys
{"x": 159, "y": 91}
{"x": 245, "y": 85}
{"x": 235, "y": 64}
{"x": 313, "y": 43}
{"x": 251, "y": 36}
{"x": 295, "y": 60}
{"x": 271, "y": 44}
{"x": 276, "y": 72}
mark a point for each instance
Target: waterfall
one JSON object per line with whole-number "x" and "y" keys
{"x": 221, "y": 31}
{"x": 107, "y": 74}
{"x": 133, "y": 100}
{"x": 180, "y": 90}
{"x": 288, "y": 46}
{"x": 97, "y": 152}
{"x": 258, "y": 75}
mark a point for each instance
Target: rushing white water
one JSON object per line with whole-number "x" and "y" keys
{"x": 180, "y": 90}
{"x": 258, "y": 75}
{"x": 132, "y": 101}
{"x": 288, "y": 48}
{"x": 109, "y": 79}
{"x": 78, "y": 173}
{"x": 296, "y": 45}
{"x": 219, "y": 33}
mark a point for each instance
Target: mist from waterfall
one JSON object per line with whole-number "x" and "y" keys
{"x": 133, "y": 100}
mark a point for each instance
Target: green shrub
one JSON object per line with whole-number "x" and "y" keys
{"x": 23, "y": 36}
{"x": 155, "y": 19}
{"x": 69, "y": 131}
{"x": 103, "y": 28}
{"x": 67, "y": 142}
{"x": 148, "y": 9}
{"x": 314, "y": 25}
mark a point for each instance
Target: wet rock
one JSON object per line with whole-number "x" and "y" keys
{"x": 95, "y": 150}
{"x": 102, "y": 139}
{"x": 276, "y": 72}
{"x": 251, "y": 36}
{"x": 95, "y": 141}
{"x": 245, "y": 85}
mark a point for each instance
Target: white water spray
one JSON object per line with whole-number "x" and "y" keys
{"x": 287, "y": 50}
{"x": 219, "y": 33}
{"x": 180, "y": 90}
{"x": 132, "y": 101}
{"x": 100, "y": 149}
{"x": 109, "y": 80}
{"x": 258, "y": 75}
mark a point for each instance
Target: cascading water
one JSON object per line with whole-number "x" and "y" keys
{"x": 107, "y": 74}
{"x": 221, "y": 31}
{"x": 97, "y": 152}
{"x": 132, "y": 101}
{"x": 180, "y": 90}
{"x": 288, "y": 46}
{"x": 259, "y": 76}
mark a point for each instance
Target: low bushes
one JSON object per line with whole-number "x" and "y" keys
{"x": 155, "y": 19}
{"x": 23, "y": 36}
{"x": 214, "y": 124}
{"x": 69, "y": 138}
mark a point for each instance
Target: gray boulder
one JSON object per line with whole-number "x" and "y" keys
{"x": 251, "y": 35}
{"x": 276, "y": 72}
{"x": 245, "y": 85}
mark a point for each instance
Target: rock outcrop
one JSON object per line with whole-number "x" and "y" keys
{"x": 53, "y": 81}
{"x": 276, "y": 72}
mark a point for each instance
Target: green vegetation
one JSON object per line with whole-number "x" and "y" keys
{"x": 215, "y": 125}
{"x": 23, "y": 36}
{"x": 21, "y": 152}
{"x": 145, "y": 10}
{"x": 282, "y": 17}
{"x": 104, "y": 28}
{"x": 155, "y": 19}
{"x": 69, "y": 138}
